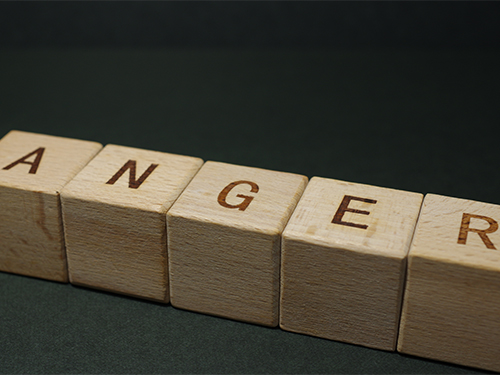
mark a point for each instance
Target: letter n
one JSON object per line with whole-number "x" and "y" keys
{"x": 132, "y": 182}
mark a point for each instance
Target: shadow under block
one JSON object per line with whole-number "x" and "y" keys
{"x": 343, "y": 262}
{"x": 451, "y": 309}
{"x": 115, "y": 223}
{"x": 33, "y": 170}
{"x": 224, "y": 236}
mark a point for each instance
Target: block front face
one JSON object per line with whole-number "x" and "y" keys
{"x": 343, "y": 262}
{"x": 452, "y": 297}
{"x": 114, "y": 219}
{"x": 224, "y": 241}
{"x": 33, "y": 170}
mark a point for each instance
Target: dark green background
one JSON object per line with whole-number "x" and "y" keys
{"x": 381, "y": 96}
{"x": 417, "y": 120}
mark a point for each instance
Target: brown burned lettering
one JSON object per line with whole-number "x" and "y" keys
{"x": 132, "y": 182}
{"x": 344, "y": 207}
{"x": 34, "y": 164}
{"x": 465, "y": 229}
{"x": 246, "y": 198}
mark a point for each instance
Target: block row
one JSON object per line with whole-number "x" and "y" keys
{"x": 366, "y": 265}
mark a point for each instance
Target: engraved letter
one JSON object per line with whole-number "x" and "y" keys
{"x": 344, "y": 207}
{"x": 247, "y": 199}
{"x": 132, "y": 182}
{"x": 34, "y": 164}
{"x": 464, "y": 230}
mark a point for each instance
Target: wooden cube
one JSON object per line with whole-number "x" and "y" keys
{"x": 115, "y": 223}
{"x": 33, "y": 170}
{"x": 224, "y": 241}
{"x": 343, "y": 262}
{"x": 451, "y": 308}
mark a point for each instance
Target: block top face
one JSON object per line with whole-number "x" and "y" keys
{"x": 458, "y": 231}
{"x": 241, "y": 197}
{"x": 131, "y": 177}
{"x": 364, "y": 218}
{"x": 40, "y": 162}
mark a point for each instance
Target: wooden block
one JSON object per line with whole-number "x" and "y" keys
{"x": 115, "y": 223}
{"x": 343, "y": 262}
{"x": 452, "y": 300}
{"x": 224, "y": 241}
{"x": 33, "y": 170}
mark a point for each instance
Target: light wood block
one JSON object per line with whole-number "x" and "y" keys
{"x": 33, "y": 170}
{"x": 343, "y": 262}
{"x": 224, "y": 241}
{"x": 115, "y": 223}
{"x": 451, "y": 308}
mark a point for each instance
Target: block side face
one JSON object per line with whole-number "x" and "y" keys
{"x": 130, "y": 177}
{"x": 115, "y": 248}
{"x": 365, "y": 218}
{"x": 32, "y": 241}
{"x": 457, "y": 230}
{"x": 340, "y": 294}
{"x": 59, "y": 160}
{"x": 223, "y": 271}
{"x": 451, "y": 314}
{"x": 241, "y": 197}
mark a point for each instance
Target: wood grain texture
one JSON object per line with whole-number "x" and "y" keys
{"x": 452, "y": 299}
{"x": 224, "y": 241}
{"x": 34, "y": 168}
{"x": 343, "y": 262}
{"x": 114, "y": 219}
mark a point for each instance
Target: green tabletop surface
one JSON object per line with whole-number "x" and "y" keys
{"x": 423, "y": 120}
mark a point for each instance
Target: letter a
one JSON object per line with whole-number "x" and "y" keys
{"x": 132, "y": 182}
{"x": 34, "y": 164}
